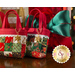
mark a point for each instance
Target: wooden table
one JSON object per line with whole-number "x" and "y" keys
{"x": 28, "y": 62}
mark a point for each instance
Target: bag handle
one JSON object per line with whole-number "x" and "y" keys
{"x": 43, "y": 18}
{"x": 2, "y": 17}
{"x": 18, "y": 24}
{"x": 7, "y": 24}
{"x": 40, "y": 18}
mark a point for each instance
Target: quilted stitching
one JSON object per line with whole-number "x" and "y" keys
{"x": 17, "y": 47}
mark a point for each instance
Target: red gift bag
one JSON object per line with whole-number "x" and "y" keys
{"x": 37, "y": 41}
{"x": 56, "y": 40}
{"x": 12, "y": 41}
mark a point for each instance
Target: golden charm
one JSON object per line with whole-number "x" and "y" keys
{"x": 38, "y": 38}
{"x": 18, "y": 38}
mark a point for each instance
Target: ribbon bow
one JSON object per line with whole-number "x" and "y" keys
{"x": 60, "y": 24}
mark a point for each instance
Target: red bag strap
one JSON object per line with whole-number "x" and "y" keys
{"x": 2, "y": 17}
{"x": 18, "y": 24}
{"x": 40, "y": 18}
{"x": 43, "y": 20}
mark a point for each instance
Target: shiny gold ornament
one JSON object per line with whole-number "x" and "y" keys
{"x": 18, "y": 38}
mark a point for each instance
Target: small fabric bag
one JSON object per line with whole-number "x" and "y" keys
{"x": 37, "y": 40}
{"x": 12, "y": 41}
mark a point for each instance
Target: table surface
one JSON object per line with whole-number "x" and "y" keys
{"x": 29, "y": 62}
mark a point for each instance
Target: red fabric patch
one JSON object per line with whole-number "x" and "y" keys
{"x": 47, "y": 41}
{"x": 22, "y": 54}
{"x": 23, "y": 48}
{"x": 10, "y": 55}
{"x": 9, "y": 39}
{"x": 1, "y": 46}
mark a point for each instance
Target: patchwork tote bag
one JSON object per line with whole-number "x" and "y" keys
{"x": 12, "y": 41}
{"x": 37, "y": 40}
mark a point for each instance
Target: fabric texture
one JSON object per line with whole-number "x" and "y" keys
{"x": 10, "y": 48}
{"x": 59, "y": 26}
{"x": 36, "y": 48}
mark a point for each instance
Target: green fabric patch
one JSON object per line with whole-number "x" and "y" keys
{"x": 37, "y": 46}
{"x": 44, "y": 40}
{"x": 17, "y": 47}
{"x": 8, "y": 47}
{"x": 2, "y": 39}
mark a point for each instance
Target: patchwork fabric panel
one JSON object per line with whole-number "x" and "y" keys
{"x": 1, "y": 46}
{"x": 16, "y": 47}
{"x": 8, "y": 47}
{"x": 36, "y": 45}
{"x": 2, "y": 39}
{"x": 13, "y": 46}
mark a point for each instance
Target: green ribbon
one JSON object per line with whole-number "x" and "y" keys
{"x": 59, "y": 24}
